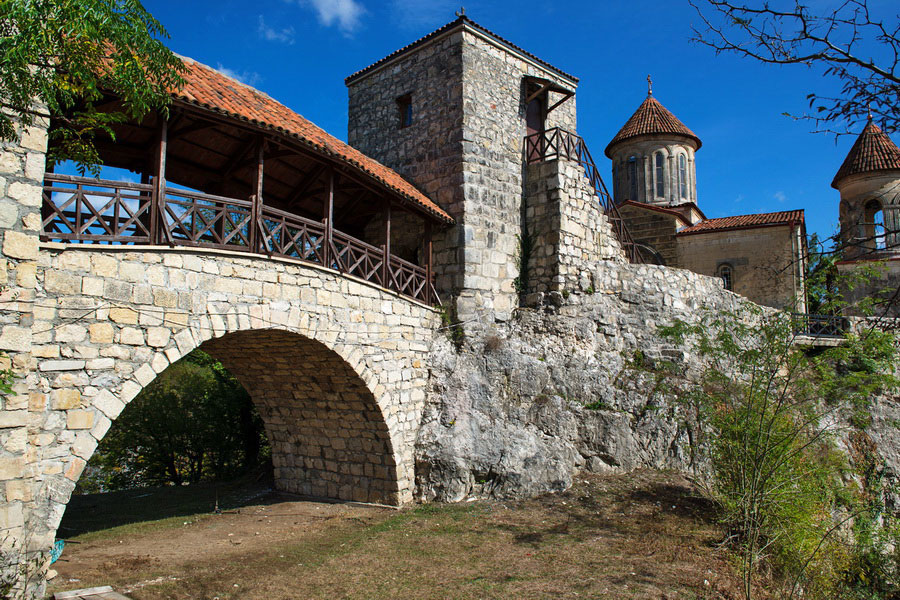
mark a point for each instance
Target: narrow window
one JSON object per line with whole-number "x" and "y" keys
{"x": 874, "y": 226}
{"x": 682, "y": 176}
{"x": 404, "y": 109}
{"x": 727, "y": 275}
{"x": 660, "y": 176}
{"x": 632, "y": 177}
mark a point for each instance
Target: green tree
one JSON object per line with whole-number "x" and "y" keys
{"x": 194, "y": 422}
{"x": 767, "y": 411}
{"x": 63, "y": 59}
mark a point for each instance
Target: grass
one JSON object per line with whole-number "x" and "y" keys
{"x": 644, "y": 535}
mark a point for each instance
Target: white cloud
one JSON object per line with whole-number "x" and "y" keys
{"x": 345, "y": 14}
{"x": 421, "y": 13}
{"x": 271, "y": 34}
{"x": 780, "y": 196}
{"x": 246, "y": 77}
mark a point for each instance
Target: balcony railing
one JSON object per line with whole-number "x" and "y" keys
{"x": 820, "y": 325}
{"x": 556, "y": 143}
{"x": 99, "y": 211}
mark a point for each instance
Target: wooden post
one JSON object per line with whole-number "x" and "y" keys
{"x": 328, "y": 209}
{"x": 386, "y": 263}
{"x": 257, "y": 198}
{"x": 428, "y": 273}
{"x": 158, "y": 231}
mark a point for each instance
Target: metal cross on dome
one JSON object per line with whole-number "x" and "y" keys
{"x": 461, "y": 12}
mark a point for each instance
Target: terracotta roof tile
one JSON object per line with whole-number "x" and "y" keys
{"x": 872, "y": 151}
{"x": 651, "y": 118}
{"x": 745, "y": 222}
{"x": 207, "y": 88}
{"x": 463, "y": 20}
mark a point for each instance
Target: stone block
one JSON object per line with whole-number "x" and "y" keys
{"x": 26, "y": 275}
{"x": 70, "y": 334}
{"x": 79, "y": 419}
{"x": 20, "y": 245}
{"x": 61, "y": 365}
{"x": 65, "y": 399}
{"x": 108, "y": 404}
{"x": 12, "y": 467}
{"x": 62, "y": 282}
{"x": 124, "y": 316}
{"x": 131, "y": 336}
{"x": 145, "y": 374}
{"x": 26, "y": 194}
{"x": 104, "y": 266}
{"x": 18, "y": 489}
{"x": 13, "y": 418}
{"x": 158, "y": 337}
{"x": 75, "y": 468}
{"x": 101, "y": 333}
{"x": 165, "y": 298}
{"x": 15, "y": 339}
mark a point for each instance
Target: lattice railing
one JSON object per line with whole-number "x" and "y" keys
{"x": 86, "y": 210}
{"x": 556, "y": 143}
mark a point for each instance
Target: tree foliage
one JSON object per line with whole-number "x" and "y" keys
{"x": 845, "y": 39}
{"x": 768, "y": 414}
{"x": 68, "y": 55}
{"x": 194, "y": 422}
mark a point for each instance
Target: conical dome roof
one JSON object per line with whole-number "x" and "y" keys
{"x": 652, "y": 118}
{"x": 872, "y": 151}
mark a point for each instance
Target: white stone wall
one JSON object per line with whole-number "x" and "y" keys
{"x": 570, "y": 235}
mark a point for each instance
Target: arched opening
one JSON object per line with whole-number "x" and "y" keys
{"x": 873, "y": 231}
{"x": 682, "y": 176}
{"x": 725, "y": 272}
{"x": 632, "y": 178}
{"x": 660, "y": 175}
{"x": 327, "y": 435}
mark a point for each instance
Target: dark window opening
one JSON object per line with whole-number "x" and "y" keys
{"x": 632, "y": 177}
{"x": 660, "y": 175}
{"x": 726, "y": 273}
{"x": 404, "y": 107}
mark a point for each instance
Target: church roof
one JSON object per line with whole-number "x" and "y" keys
{"x": 787, "y": 217}
{"x": 651, "y": 118}
{"x": 208, "y": 89}
{"x": 872, "y": 151}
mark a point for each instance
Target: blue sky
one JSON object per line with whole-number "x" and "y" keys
{"x": 753, "y": 159}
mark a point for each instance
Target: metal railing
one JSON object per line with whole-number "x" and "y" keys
{"x": 98, "y": 211}
{"x": 557, "y": 143}
{"x": 820, "y": 325}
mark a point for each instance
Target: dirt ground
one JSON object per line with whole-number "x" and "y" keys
{"x": 641, "y": 535}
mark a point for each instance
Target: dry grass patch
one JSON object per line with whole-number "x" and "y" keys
{"x": 641, "y": 535}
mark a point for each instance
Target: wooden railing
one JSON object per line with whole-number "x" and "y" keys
{"x": 85, "y": 210}
{"x": 556, "y": 143}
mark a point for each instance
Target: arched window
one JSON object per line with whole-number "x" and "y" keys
{"x": 682, "y": 176}
{"x": 660, "y": 176}
{"x": 632, "y": 177}
{"x": 726, "y": 273}
{"x": 873, "y": 226}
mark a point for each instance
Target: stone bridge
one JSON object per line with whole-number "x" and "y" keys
{"x": 335, "y": 365}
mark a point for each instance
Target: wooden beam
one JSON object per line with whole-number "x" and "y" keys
{"x": 307, "y": 181}
{"x": 158, "y": 201}
{"x": 257, "y": 197}
{"x": 428, "y": 271}
{"x": 386, "y": 264}
{"x": 543, "y": 89}
{"x": 329, "y": 221}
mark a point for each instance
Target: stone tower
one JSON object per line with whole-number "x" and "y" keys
{"x": 450, "y": 112}
{"x": 869, "y": 184}
{"x": 653, "y": 157}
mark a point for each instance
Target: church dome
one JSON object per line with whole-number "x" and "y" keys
{"x": 652, "y": 118}
{"x": 873, "y": 151}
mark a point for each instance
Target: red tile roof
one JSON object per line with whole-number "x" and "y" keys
{"x": 463, "y": 20}
{"x": 872, "y": 151}
{"x": 208, "y": 89}
{"x": 787, "y": 217}
{"x": 651, "y": 118}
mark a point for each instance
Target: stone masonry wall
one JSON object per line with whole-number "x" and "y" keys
{"x": 654, "y": 229}
{"x": 464, "y": 150}
{"x": 21, "y": 178}
{"x": 336, "y": 365}
{"x": 523, "y": 405}
{"x": 428, "y": 153}
{"x": 568, "y": 233}
{"x": 493, "y": 178}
